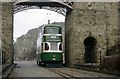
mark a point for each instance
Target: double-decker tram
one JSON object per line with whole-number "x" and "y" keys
{"x": 50, "y": 45}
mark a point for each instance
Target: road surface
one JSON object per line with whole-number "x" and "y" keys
{"x": 29, "y": 69}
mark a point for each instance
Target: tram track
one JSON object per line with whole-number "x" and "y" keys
{"x": 71, "y": 73}
{"x": 64, "y": 75}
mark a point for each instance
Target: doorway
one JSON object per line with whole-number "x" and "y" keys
{"x": 90, "y": 50}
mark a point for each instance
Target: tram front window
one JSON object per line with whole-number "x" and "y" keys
{"x": 52, "y": 30}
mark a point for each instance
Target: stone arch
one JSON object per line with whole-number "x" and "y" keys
{"x": 60, "y": 7}
{"x": 7, "y": 23}
{"x": 90, "y": 50}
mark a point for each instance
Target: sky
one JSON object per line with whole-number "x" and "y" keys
{"x": 33, "y": 18}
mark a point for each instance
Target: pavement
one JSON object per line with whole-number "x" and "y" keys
{"x": 7, "y": 70}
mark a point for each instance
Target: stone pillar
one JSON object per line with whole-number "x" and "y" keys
{"x": 68, "y": 41}
{"x": 7, "y": 33}
{"x": 119, "y": 27}
{"x": 0, "y": 39}
{"x": 0, "y": 31}
{"x": 96, "y": 20}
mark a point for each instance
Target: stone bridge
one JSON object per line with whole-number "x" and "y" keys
{"x": 92, "y": 30}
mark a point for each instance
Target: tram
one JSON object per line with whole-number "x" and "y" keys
{"x": 50, "y": 45}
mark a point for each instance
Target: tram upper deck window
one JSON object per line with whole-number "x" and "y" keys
{"x": 52, "y": 30}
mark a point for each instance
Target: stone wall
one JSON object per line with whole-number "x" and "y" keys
{"x": 7, "y": 33}
{"x": 119, "y": 26}
{"x": 0, "y": 31}
{"x": 96, "y": 20}
{"x": 0, "y": 39}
